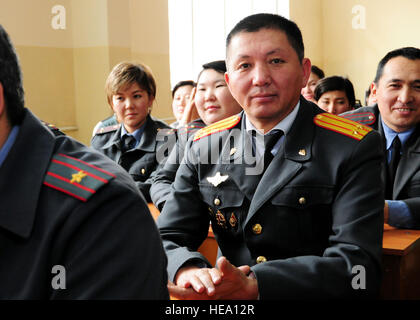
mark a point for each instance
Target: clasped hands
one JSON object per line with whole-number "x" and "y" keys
{"x": 225, "y": 282}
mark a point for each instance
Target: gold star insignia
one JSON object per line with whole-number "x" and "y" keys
{"x": 78, "y": 177}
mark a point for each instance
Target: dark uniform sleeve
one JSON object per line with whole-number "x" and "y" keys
{"x": 182, "y": 224}
{"x": 164, "y": 176}
{"x": 111, "y": 249}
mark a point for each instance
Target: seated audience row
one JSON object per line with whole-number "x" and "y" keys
{"x": 306, "y": 163}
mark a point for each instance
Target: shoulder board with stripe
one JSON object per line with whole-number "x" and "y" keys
{"x": 75, "y": 177}
{"x": 361, "y": 117}
{"x": 166, "y": 130}
{"x": 107, "y": 129}
{"x": 190, "y": 129}
{"x": 217, "y": 127}
{"x": 342, "y": 125}
{"x": 53, "y": 128}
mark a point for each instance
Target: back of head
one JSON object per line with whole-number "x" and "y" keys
{"x": 335, "y": 83}
{"x": 125, "y": 74}
{"x": 410, "y": 53}
{"x": 11, "y": 80}
{"x": 256, "y": 22}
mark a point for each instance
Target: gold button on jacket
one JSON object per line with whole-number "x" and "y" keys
{"x": 261, "y": 259}
{"x": 257, "y": 228}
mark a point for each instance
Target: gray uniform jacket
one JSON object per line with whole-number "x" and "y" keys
{"x": 165, "y": 173}
{"x": 139, "y": 162}
{"x": 407, "y": 178}
{"x": 69, "y": 212}
{"x": 314, "y": 215}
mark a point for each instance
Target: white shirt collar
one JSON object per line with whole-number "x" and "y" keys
{"x": 283, "y": 125}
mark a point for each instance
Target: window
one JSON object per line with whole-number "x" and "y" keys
{"x": 198, "y": 30}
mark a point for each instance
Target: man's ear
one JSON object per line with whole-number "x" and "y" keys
{"x": 373, "y": 89}
{"x": 227, "y": 78}
{"x": 306, "y": 67}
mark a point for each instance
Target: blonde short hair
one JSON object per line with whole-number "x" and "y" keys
{"x": 125, "y": 74}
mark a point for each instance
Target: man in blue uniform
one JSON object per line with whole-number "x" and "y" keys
{"x": 396, "y": 116}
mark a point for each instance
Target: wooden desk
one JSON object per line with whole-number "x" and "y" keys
{"x": 209, "y": 246}
{"x": 401, "y": 264}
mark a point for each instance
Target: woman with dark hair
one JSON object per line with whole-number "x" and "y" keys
{"x": 335, "y": 94}
{"x": 181, "y": 94}
{"x": 308, "y": 91}
{"x": 213, "y": 102}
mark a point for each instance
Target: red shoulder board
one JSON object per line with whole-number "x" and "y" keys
{"x": 361, "y": 117}
{"x": 217, "y": 127}
{"x": 342, "y": 125}
{"x": 75, "y": 177}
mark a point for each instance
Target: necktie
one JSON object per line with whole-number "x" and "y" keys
{"x": 395, "y": 158}
{"x": 128, "y": 143}
{"x": 269, "y": 141}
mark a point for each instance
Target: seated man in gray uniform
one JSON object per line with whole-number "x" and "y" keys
{"x": 396, "y": 116}
{"x": 293, "y": 194}
{"x": 72, "y": 223}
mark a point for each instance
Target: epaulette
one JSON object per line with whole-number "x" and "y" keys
{"x": 53, "y": 128}
{"x": 217, "y": 127}
{"x": 361, "y": 117}
{"x": 110, "y": 121}
{"x": 191, "y": 128}
{"x": 342, "y": 125}
{"x": 166, "y": 131}
{"x": 107, "y": 129}
{"x": 75, "y": 177}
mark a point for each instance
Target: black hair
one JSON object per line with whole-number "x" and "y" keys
{"x": 218, "y": 65}
{"x": 11, "y": 80}
{"x": 254, "y": 23}
{"x": 182, "y": 84}
{"x": 406, "y": 52}
{"x": 335, "y": 83}
{"x": 318, "y": 71}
